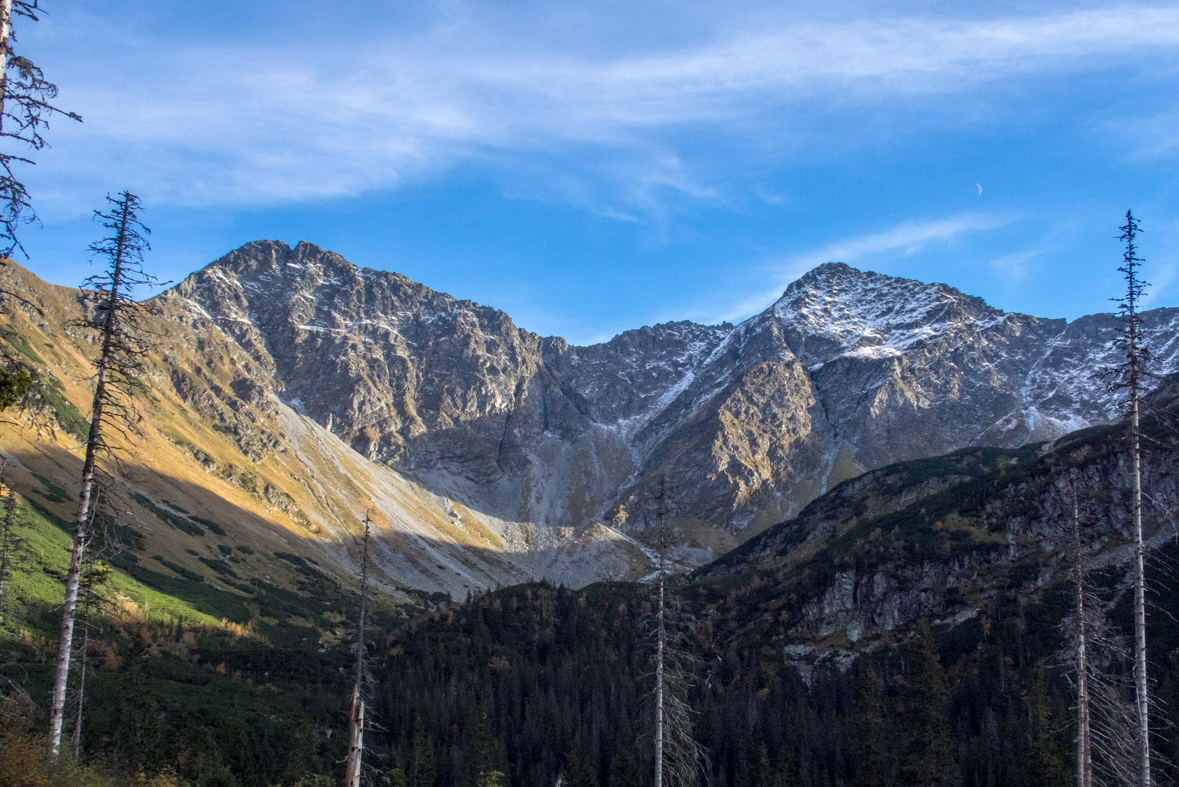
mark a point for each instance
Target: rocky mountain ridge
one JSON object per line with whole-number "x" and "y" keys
{"x": 306, "y": 392}
{"x": 940, "y": 537}
{"x": 847, "y": 371}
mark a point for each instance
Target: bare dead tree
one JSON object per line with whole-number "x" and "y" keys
{"x": 1096, "y": 658}
{"x": 679, "y": 757}
{"x": 356, "y": 718}
{"x": 1131, "y": 375}
{"x": 25, "y": 110}
{"x": 116, "y": 316}
{"x": 1084, "y": 735}
{"x": 1100, "y": 667}
{"x": 90, "y": 608}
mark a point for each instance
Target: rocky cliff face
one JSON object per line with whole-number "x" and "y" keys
{"x": 294, "y": 392}
{"x": 938, "y": 537}
{"x": 848, "y": 371}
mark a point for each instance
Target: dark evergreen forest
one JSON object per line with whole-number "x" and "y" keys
{"x": 535, "y": 681}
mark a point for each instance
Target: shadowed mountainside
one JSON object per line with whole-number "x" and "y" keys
{"x": 308, "y": 391}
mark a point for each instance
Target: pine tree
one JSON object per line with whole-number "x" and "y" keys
{"x": 869, "y": 733}
{"x": 1133, "y": 373}
{"x": 25, "y": 109}
{"x": 421, "y": 765}
{"x": 579, "y": 769}
{"x": 14, "y": 384}
{"x": 488, "y": 755}
{"x": 624, "y": 771}
{"x": 115, "y": 317}
{"x": 926, "y": 756}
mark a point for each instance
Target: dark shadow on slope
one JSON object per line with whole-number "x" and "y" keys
{"x": 223, "y": 556}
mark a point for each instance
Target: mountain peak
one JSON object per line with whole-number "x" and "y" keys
{"x": 260, "y": 255}
{"x": 870, "y": 315}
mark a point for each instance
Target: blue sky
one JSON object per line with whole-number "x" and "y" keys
{"x": 596, "y": 166}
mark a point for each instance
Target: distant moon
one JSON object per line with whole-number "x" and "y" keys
{"x": 979, "y": 188}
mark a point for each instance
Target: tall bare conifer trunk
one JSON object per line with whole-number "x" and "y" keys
{"x": 119, "y": 356}
{"x": 24, "y": 111}
{"x": 1133, "y": 370}
{"x": 679, "y": 758}
{"x": 1084, "y": 736}
{"x": 660, "y": 648}
{"x": 356, "y": 718}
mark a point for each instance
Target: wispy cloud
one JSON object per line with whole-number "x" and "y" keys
{"x": 248, "y": 125}
{"x": 901, "y": 240}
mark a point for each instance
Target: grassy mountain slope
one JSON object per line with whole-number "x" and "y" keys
{"x": 224, "y": 485}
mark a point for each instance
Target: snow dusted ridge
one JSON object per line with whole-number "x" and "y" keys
{"x": 847, "y": 371}
{"x": 869, "y": 316}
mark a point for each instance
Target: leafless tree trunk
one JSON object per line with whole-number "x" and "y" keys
{"x": 5, "y": 51}
{"x": 1133, "y": 372}
{"x": 89, "y": 601}
{"x": 660, "y": 648}
{"x": 119, "y": 357}
{"x": 1084, "y": 738}
{"x": 5, "y": 44}
{"x": 355, "y": 740}
{"x": 25, "y": 107}
{"x": 679, "y": 758}
{"x": 80, "y": 697}
{"x": 356, "y": 719}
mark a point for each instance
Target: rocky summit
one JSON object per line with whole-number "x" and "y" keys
{"x": 491, "y": 454}
{"x": 848, "y": 371}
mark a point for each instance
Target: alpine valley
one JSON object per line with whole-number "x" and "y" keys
{"x": 873, "y": 471}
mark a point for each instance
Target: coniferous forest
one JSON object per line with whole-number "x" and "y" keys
{"x": 532, "y": 682}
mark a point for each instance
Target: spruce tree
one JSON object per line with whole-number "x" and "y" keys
{"x": 624, "y": 771}
{"x": 926, "y": 755}
{"x": 1046, "y": 766}
{"x": 785, "y": 771}
{"x": 579, "y": 769}
{"x": 1133, "y": 373}
{"x": 869, "y": 733}
{"x": 114, "y": 314}
{"x": 488, "y": 755}
{"x": 25, "y": 109}
{"x": 774, "y": 773}
{"x": 421, "y": 764}
{"x": 137, "y": 735}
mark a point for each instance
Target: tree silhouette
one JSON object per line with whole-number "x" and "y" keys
{"x": 1132, "y": 373}
{"x": 25, "y": 109}
{"x": 116, "y": 316}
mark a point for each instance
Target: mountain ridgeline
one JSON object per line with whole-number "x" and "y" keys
{"x": 848, "y": 371}
{"x": 490, "y": 455}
